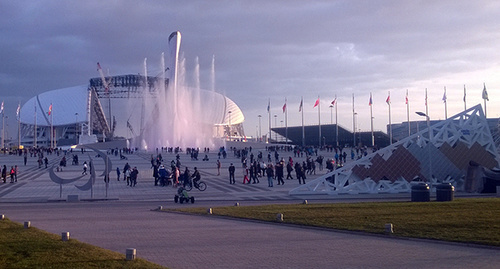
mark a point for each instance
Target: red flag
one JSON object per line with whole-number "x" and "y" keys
{"x": 388, "y": 100}
{"x": 316, "y": 104}
{"x": 50, "y": 109}
{"x": 300, "y": 106}
{"x": 370, "y": 102}
{"x": 284, "y": 108}
{"x": 334, "y": 101}
{"x": 406, "y": 101}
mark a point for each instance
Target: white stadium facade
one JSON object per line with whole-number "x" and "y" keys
{"x": 93, "y": 113}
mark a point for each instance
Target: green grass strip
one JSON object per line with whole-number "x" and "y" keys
{"x": 34, "y": 248}
{"x": 462, "y": 220}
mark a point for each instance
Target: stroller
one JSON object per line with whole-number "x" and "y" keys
{"x": 182, "y": 195}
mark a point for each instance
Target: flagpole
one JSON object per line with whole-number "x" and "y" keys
{"x": 269, "y": 114}
{"x": 303, "y": 130}
{"x": 51, "y": 129}
{"x": 35, "y": 131}
{"x": 3, "y": 129}
{"x": 485, "y": 98}
{"x": 286, "y": 123}
{"x": 390, "y": 124}
{"x": 408, "y": 113}
{"x": 427, "y": 113}
{"x": 445, "y": 105}
{"x": 336, "y": 123}
{"x": 371, "y": 119}
{"x": 353, "y": 124}
{"x": 19, "y": 126}
{"x": 319, "y": 121}
{"x": 465, "y": 102}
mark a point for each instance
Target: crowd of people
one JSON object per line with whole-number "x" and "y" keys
{"x": 255, "y": 166}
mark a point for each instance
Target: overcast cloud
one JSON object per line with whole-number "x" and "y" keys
{"x": 266, "y": 50}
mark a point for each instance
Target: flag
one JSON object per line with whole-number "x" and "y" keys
{"x": 465, "y": 94}
{"x": 334, "y": 101}
{"x": 50, "y": 109}
{"x": 1, "y": 108}
{"x": 316, "y": 103}
{"x": 18, "y": 110}
{"x": 425, "y": 96}
{"x": 406, "y": 101}
{"x": 269, "y": 106}
{"x": 485, "y": 95}
{"x": 370, "y": 102}
{"x": 300, "y": 106}
{"x": 284, "y": 107}
{"x": 388, "y": 100}
{"x": 444, "y": 95}
{"x": 98, "y": 66}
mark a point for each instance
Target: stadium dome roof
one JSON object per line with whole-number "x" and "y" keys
{"x": 69, "y": 106}
{"x": 66, "y": 103}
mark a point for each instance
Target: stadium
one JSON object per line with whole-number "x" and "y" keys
{"x": 116, "y": 110}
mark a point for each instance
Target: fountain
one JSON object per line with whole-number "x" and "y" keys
{"x": 177, "y": 111}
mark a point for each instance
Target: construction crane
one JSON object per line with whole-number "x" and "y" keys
{"x": 106, "y": 90}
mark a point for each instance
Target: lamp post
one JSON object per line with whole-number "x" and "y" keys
{"x": 428, "y": 143}
{"x": 354, "y": 129}
{"x": 229, "y": 112}
{"x": 76, "y": 128}
{"x": 260, "y": 133}
{"x": 275, "y": 125}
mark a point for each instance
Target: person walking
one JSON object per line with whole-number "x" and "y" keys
{"x": 84, "y": 168}
{"x": 289, "y": 169}
{"x": 125, "y": 169}
{"x": 133, "y": 177}
{"x": 4, "y": 174}
{"x": 270, "y": 175}
{"x": 254, "y": 171}
{"x": 117, "y": 173}
{"x": 12, "y": 173}
{"x": 245, "y": 177}
{"x": 218, "y": 167}
{"x": 231, "y": 169}
{"x": 280, "y": 173}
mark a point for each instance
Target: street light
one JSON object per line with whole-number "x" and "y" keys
{"x": 276, "y": 125}
{"x": 260, "y": 133}
{"x": 354, "y": 129}
{"x": 76, "y": 128}
{"x": 229, "y": 112}
{"x": 428, "y": 143}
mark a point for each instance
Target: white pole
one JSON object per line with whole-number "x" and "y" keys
{"x": 319, "y": 121}
{"x": 336, "y": 123}
{"x": 408, "y": 113}
{"x": 371, "y": 119}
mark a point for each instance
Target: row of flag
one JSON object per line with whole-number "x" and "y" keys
{"x": 18, "y": 110}
{"x": 388, "y": 100}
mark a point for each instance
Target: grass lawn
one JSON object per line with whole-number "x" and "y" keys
{"x": 34, "y": 248}
{"x": 462, "y": 220}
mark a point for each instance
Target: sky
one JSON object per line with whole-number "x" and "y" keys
{"x": 267, "y": 51}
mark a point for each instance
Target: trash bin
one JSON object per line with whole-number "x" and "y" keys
{"x": 420, "y": 193}
{"x": 444, "y": 192}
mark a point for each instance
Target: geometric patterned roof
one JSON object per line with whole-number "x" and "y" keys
{"x": 441, "y": 154}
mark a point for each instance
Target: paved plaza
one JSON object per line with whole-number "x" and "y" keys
{"x": 123, "y": 218}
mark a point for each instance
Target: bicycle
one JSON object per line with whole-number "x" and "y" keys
{"x": 200, "y": 186}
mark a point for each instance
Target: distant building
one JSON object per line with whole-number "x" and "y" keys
{"x": 346, "y": 138}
